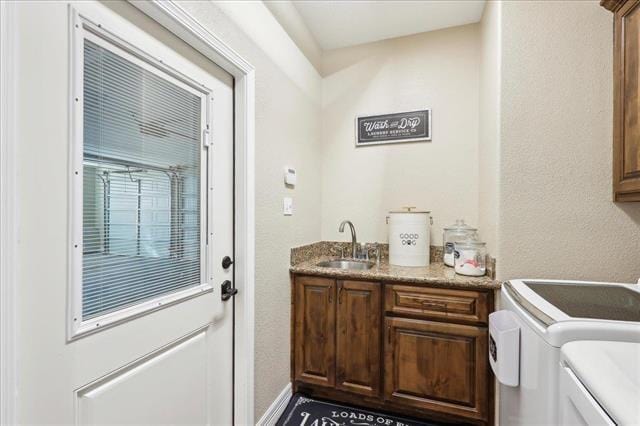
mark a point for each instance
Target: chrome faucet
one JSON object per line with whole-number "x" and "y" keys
{"x": 354, "y": 241}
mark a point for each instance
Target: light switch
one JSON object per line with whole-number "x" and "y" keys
{"x": 290, "y": 176}
{"x": 288, "y": 206}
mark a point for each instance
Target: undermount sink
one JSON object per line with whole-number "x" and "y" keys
{"x": 347, "y": 264}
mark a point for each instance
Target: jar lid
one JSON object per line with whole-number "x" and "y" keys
{"x": 469, "y": 244}
{"x": 407, "y": 209}
{"x": 459, "y": 226}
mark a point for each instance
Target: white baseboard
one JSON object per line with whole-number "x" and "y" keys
{"x": 275, "y": 410}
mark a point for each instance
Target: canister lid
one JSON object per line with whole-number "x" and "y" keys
{"x": 460, "y": 226}
{"x": 471, "y": 244}
{"x": 407, "y": 209}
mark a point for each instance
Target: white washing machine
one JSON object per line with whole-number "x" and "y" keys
{"x": 537, "y": 318}
{"x": 600, "y": 383}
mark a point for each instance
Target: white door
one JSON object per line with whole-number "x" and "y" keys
{"x": 125, "y": 160}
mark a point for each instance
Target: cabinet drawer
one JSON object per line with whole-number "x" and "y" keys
{"x": 466, "y": 306}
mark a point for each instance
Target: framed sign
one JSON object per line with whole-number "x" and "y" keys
{"x": 412, "y": 126}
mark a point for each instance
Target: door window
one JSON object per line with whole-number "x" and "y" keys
{"x": 143, "y": 183}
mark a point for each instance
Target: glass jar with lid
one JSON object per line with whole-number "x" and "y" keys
{"x": 470, "y": 258}
{"x": 460, "y": 231}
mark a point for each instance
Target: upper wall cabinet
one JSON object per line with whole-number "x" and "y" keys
{"x": 626, "y": 108}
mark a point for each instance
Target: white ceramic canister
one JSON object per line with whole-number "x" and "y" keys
{"x": 409, "y": 237}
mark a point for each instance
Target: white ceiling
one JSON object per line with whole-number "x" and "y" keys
{"x": 342, "y": 23}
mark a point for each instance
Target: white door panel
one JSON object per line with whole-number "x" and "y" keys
{"x": 170, "y": 366}
{"x": 167, "y": 387}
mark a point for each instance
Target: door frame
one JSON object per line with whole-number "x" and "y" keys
{"x": 176, "y": 20}
{"x": 8, "y": 216}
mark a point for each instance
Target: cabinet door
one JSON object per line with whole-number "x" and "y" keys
{"x": 437, "y": 366}
{"x": 315, "y": 326}
{"x": 626, "y": 108}
{"x": 358, "y": 341}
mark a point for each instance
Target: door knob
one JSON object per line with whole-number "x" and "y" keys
{"x": 226, "y": 262}
{"x": 227, "y": 291}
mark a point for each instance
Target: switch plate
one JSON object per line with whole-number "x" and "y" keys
{"x": 287, "y": 207}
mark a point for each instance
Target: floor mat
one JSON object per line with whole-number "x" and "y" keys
{"x": 303, "y": 411}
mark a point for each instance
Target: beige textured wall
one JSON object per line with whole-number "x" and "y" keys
{"x": 557, "y": 219}
{"x": 287, "y": 133}
{"x": 438, "y": 70}
{"x": 489, "y": 126}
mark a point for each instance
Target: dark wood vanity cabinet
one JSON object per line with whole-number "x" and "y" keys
{"x": 626, "y": 98}
{"x": 413, "y": 350}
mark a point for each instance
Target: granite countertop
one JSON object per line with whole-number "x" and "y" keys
{"x": 434, "y": 275}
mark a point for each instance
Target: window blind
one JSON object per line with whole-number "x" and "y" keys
{"x": 141, "y": 184}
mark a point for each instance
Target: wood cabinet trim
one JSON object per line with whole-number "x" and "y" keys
{"x": 611, "y": 5}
